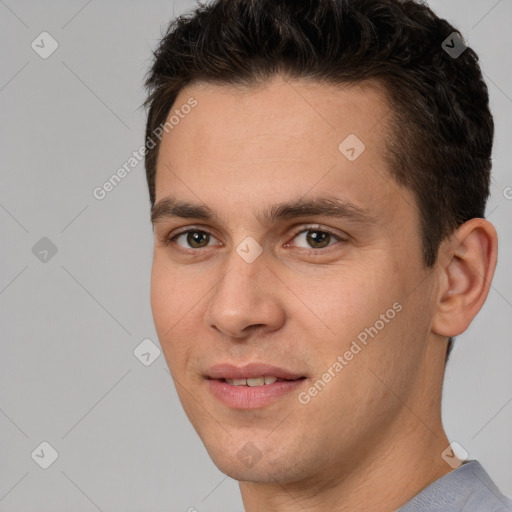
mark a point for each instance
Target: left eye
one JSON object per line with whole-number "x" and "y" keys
{"x": 316, "y": 238}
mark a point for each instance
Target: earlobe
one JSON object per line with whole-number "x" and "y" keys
{"x": 467, "y": 261}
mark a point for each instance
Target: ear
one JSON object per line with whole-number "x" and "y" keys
{"x": 466, "y": 262}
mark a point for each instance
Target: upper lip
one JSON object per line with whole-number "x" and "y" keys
{"x": 249, "y": 371}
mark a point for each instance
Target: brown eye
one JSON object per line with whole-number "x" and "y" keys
{"x": 317, "y": 239}
{"x": 314, "y": 238}
{"x": 195, "y": 239}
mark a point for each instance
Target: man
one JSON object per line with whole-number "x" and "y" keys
{"x": 318, "y": 173}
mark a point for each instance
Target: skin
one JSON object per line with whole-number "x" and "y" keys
{"x": 373, "y": 437}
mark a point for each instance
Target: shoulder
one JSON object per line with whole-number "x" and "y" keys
{"x": 466, "y": 489}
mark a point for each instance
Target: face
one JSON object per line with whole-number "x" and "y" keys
{"x": 298, "y": 258}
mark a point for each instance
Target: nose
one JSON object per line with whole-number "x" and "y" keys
{"x": 246, "y": 301}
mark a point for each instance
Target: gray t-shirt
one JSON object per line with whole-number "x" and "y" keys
{"x": 468, "y": 488}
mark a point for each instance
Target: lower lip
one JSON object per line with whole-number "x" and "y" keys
{"x": 247, "y": 397}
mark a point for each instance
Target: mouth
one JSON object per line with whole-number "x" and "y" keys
{"x": 248, "y": 372}
{"x": 257, "y": 381}
{"x": 251, "y": 386}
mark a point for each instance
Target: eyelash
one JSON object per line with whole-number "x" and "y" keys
{"x": 171, "y": 240}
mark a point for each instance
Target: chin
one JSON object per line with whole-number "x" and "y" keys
{"x": 261, "y": 473}
{"x": 247, "y": 465}
{"x": 243, "y": 474}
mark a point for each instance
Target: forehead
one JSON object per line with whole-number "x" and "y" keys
{"x": 279, "y": 116}
{"x": 282, "y": 138}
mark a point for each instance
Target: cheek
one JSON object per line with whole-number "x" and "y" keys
{"x": 172, "y": 294}
{"x": 168, "y": 305}
{"x": 161, "y": 298}
{"x": 348, "y": 299}
{"x": 175, "y": 302}
{"x": 362, "y": 316}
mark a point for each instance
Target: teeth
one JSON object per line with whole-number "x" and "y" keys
{"x": 256, "y": 381}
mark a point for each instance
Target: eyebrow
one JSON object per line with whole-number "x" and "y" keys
{"x": 170, "y": 207}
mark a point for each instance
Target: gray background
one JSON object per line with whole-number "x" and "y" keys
{"x": 70, "y": 324}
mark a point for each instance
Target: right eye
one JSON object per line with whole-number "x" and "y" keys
{"x": 194, "y": 238}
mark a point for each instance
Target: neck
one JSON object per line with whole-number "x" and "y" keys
{"x": 384, "y": 474}
{"x": 384, "y": 479}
